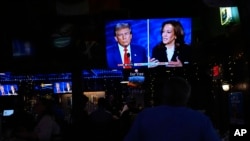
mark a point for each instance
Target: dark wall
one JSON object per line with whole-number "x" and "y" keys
{"x": 38, "y": 20}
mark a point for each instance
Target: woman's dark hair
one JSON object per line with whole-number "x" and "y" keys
{"x": 102, "y": 102}
{"x": 178, "y": 31}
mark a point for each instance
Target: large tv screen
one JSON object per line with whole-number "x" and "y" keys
{"x": 149, "y": 43}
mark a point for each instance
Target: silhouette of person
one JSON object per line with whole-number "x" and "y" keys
{"x": 102, "y": 122}
{"x": 46, "y": 128}
{"x": 172, "y": 120}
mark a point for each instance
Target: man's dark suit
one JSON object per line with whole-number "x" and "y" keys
{"x": 138, "y": 55}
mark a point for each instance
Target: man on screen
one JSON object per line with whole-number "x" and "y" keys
{"x": 124, "y": 54}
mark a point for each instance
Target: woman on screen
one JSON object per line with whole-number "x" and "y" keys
{"x": 172, "y": 51}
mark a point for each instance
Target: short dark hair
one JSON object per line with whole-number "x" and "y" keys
{"x": 176, "y": 91}
{"x": 102, "y": 102}
{"x": 119, "y": 26}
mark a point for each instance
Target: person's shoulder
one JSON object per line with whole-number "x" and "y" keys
{"x": 149, "y": 110}
{"x": 198, "y": 114}
{"x": 47, "y": 118}
{"x": 159, "y": 46}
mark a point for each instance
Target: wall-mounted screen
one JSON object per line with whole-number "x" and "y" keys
{"x": 62, "y": 87}
{"x": 229, "y": 15}
{"x": 8, "y": 89}
{"x": 153, "y": 42}
{"x": 22, "y": 48}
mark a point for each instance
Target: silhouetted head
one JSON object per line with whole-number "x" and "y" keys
{"x": 176, "y": 91}
{"x": 102, "y": 102}
{"x": 43, "y": 106}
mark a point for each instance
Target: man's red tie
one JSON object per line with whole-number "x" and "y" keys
{"x": 126, "y": 59}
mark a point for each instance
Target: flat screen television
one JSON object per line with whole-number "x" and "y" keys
{"x": 145, "y": 34}
{"x": 22, "y": 48}
{"x": 136, "y": 77}
{"x": 62, "y": 87}
{"x": 8, "y": 89}
{"x": 8, "y": 112}
{"x": 229, "y": 15}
